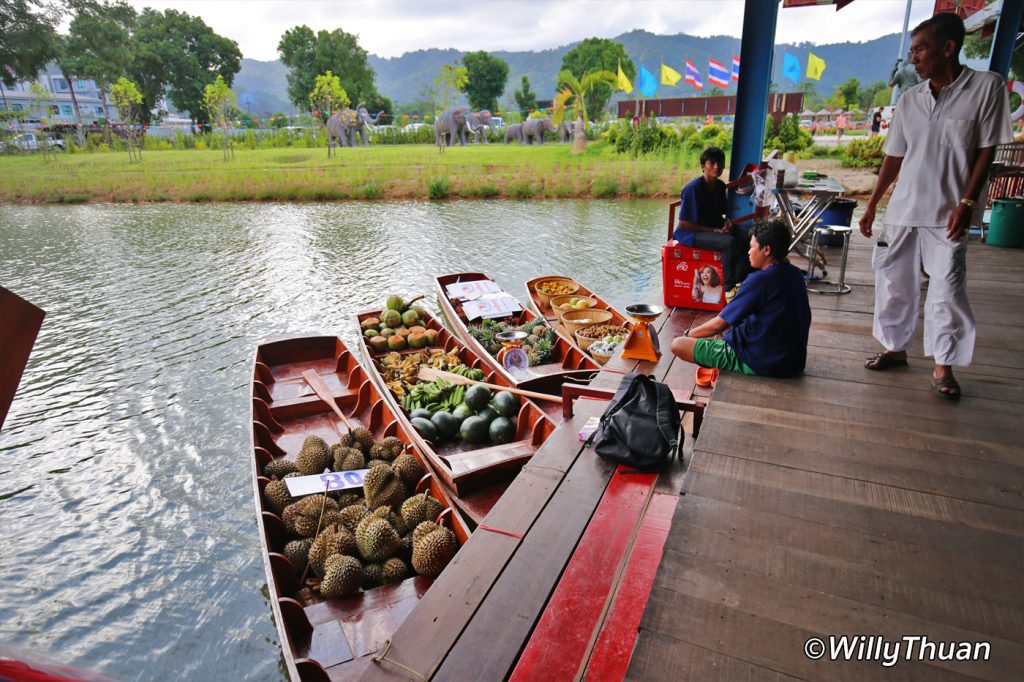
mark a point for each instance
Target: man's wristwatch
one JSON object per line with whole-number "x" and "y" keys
{"x": 969, "y": 203}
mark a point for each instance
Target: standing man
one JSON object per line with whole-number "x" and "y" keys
{"x": 876, "y": 123}
{"x": 940, "y": 144}
{"x": 840, "y": 126}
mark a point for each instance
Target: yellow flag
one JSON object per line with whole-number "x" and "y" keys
{"x": 623, "y": 82}
{"x": 815, "y": 66}
{"x": 669, "y": 76}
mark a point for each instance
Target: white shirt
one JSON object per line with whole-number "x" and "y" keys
{"x": 939, "y": 139}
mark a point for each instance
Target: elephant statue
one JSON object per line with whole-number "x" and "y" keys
{"x": 478, "y": 123}
{"x": 514, "y": 132}
{"x": 457, "y": 125}
{"x": 534, "y": 128}
{"x": 565, "y": 131}
{"x": 347, "y": 124}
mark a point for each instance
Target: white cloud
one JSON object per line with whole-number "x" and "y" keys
{"x": 389, "y": 28}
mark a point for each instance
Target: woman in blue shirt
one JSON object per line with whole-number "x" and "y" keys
{"x": 766, "y": 324}
{"x": 702, "y": 222}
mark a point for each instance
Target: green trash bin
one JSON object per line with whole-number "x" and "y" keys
{"x": 1006, "y": 228}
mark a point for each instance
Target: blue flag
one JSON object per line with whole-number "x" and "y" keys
{"x": 646, "y": 83}
{"x": 791, "y": 67}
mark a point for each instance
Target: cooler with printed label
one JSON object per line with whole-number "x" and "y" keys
{"x": 692, "y": 278}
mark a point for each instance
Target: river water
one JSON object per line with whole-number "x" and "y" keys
{"x": 128, "y": 541}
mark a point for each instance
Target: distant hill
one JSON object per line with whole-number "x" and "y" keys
{"x": 262, "y": 86}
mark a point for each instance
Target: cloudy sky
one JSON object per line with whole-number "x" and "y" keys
{"x": 389, "y": 28}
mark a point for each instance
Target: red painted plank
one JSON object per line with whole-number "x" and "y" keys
{"x": 614, "y": 647}
{"x": 563, "y": 636}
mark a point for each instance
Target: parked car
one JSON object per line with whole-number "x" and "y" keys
{"x": 413, "y": 127}
{"x": 31, "y": 142}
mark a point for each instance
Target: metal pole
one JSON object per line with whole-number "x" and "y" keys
{"x": 756, "y": 46}
{"x": 1006, "y": 35}
{"x": 903, "y": 42}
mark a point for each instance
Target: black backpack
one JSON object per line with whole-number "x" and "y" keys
{"x": 640, "y": 428}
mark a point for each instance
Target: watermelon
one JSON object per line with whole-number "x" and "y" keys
{"x": 474, "y": 430}
{"x": 426, "y": 428}
{"x": 505, "y": 404}
{"x": 501, "y": 430}
{"x": 477, "y": 397}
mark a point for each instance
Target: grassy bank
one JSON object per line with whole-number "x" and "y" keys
{"x": 383, "y": 172}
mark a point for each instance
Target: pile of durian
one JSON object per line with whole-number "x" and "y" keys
{"x": 361, "y": 541}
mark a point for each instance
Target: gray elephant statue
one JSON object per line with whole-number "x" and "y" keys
{"x": 534, "y": 128}
{"x": 347, "y": 124}
{"x": 565, "y": 131}
{"x": 514, "y": 132}
{"x": 478, "y": 123}
{"x": 457, "y": 125}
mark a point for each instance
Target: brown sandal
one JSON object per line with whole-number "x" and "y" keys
{"x": 946, "y": 382}
{"x": 883, "y": 361}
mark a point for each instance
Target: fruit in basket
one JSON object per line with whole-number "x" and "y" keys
{"x": 488, "y": 414}
{"x": 462, "y": 412}
{"x": 421, "y": 412}
{"x": 395, "y": 303}
{"x": 447, "y": 424}
{"x": 387, "y": 331}
{"x": 396, "y": 342}
{"x": 431, "y": 335}
{"x": 410, "y": 318}
{"x": 426, "y": 428}
{"x": 433, "y": 547}
{"x": 417, "y": 340}
{"x": 391, "y": 318}
{"x": 370, "y": 333}
{"x": 501, "y": 430}
{"x": 370, "y": 323}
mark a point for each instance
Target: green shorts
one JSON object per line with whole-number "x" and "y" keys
{"x": 717, "y": 353}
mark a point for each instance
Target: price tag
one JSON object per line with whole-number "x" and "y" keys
{"x": 464, "y": 290}
{"x": 491, "y": 305}
{"x": 329, "y": 481}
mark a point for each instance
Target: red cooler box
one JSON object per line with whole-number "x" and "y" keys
{"x": 692, "y": 278}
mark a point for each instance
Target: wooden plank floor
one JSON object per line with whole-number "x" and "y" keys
{"x": 851, "y": 502}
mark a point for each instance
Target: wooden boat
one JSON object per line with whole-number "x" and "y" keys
{"x": 569, "y": 363}
{"x": 325, "y": 638}
{"x": 475, "y": 475}
{"x": 22, "y": 321}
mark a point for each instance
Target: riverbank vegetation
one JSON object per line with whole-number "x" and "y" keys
{"x": 376, "y": 172}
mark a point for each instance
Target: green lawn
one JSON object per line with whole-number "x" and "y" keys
{"x": 376, "y": 172}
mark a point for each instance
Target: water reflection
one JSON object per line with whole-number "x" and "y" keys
{"x": 128, "y": 541}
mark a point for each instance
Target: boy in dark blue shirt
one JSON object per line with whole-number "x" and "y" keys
{"x": 766, "y": 324}
{"x": 702, "y": 222}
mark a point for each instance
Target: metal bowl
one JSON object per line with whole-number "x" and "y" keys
{"x": 644, "y": 312}
{"x": 510, "y": 337}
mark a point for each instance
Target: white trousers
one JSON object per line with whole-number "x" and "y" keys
{"x": 948, "y": 321}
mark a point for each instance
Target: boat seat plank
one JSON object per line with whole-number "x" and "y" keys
{"x": 465, "y": 462}
{"x": 291, "y": 372}
{"x": 661, "y": 657}
{"x": 491, "y": 641}
{"x": 329, "y": 646}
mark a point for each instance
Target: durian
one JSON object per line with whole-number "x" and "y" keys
{"x": 314, "y": 457}
{"x": 363, "y": 439}
{"x": 343, "y": 575}
{"x": 395, "y": 445}
{"x": 351, "y": 515}
{"x": 347, "y": 459}
{"x": 332, "y": 540}
{"x": 346, "y": 498}
{"x": 279, "y": 468}
{"x": 373, "y": 576}
{"x": 432, "y": 548}
{"x": 376, "y": 538}
{"x": 394, "y": 571}
{"x": 277, "y": 496}
{"x": 383, "y": 487}
{"x": 297, "y": 552}
{"x": 408, "y": 469}
{"x": 420, "y": 508}
{"x": 303, "y": 517}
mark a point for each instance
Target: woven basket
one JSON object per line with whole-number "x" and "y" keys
{"x": 557, "y": 304}
{"x": 601, "y": 358}
{"x": 583, "y": 341}
{"x": 545, "y": 299}
{"x": 574, "y": 319}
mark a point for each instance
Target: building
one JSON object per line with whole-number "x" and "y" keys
{"x": 57, "y": 107}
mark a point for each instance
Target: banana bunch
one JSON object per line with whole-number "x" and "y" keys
{"x": 434, "y": 396}
{"x": 474, "y": 374}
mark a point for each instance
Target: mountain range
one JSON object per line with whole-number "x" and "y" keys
{"x": 262, "y": 86}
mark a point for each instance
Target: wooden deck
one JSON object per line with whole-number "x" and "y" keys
{"x": 851, "y": 502}
{"x": 845, "y": 502}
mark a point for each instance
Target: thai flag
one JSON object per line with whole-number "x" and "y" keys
{"x": 717, "y": 75}
{"x": 693, "y": 76}
{"x": 735, "y": 68}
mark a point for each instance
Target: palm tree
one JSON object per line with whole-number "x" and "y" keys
{"x": 576, "y": 90}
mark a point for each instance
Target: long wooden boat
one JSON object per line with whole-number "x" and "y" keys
{"x": 476, "y": 475}
{"x": 321, "y": 638}
{"x": 568, "y": 362}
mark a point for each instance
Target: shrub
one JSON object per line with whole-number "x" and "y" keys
{"x": 605, "y": 187}
{"x": 439, "y": 188}
{"x": 522, "y": 189}
{"x": 372, "y": 191}
{"x": 864, "y": 153}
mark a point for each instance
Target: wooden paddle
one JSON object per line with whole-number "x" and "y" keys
{"x": 320, "y": 388}
{"x": 430, "y": 374}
